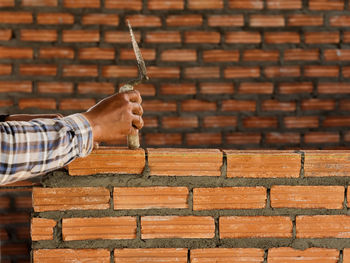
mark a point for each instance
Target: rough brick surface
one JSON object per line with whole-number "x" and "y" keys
{"x": 71, "y": 255}
{"x": 228, "y": 255}
{"x": 161, "y": 255}
{"x": 42, "y": 229}
{"x": 289, "y": 255}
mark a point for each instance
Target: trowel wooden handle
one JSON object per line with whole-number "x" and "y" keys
{"x": 133, "y": 140}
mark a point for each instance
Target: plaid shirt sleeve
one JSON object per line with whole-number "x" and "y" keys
{"x": 28, "y": 149}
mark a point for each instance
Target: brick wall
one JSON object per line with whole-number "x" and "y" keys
{"x": 195, "y": 206}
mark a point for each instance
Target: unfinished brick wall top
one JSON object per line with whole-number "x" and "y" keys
{"x": 289, "y": 210}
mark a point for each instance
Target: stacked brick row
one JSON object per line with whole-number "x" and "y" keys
{"x": 224, "y": 73}
{"x": 183, "y": 205}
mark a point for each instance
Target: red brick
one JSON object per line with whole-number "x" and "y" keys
{"x": 56, "y": 52}
{"x": 304, "y": 20}
{"x": 120, "y": 36}
{"x": 161, "y": 255}
{"x": 284, "y": 4}
{"x": 340, "y": 20}
{"x": 256, "y": 88}
{"x": 161, "y": 139}
{"x": 336, "y": 121}
{"x": 322, "y": 226}
{"x": 220, "y": 55}
{"x": 309, "y": 255}
{"x": 55, "y": 18}
{"x": 293, "y": 122}
{"x": 76, "y": 104}
{"x": 209, "y": 37}
{"x": 205, "y": 4}
{"x": 15, "y": 249}
{"x": 202, "y": 72}
{"x": 5, "y": 202}
{"x": 7, "y": 3}
{"x": 3, "y": 234}
{"x": 268, "y": 164}
{"x": 163, "y": 72}
{"x": 183, "y": 162}
{"x": 275, "y": 105}
{"x": 163, "y": 37}
{"x": 71, "y": 255}
{"x": 227, "y": 255}
{"x": 337, "y": 54}
{"x": 166, "y": 4}
{"x": 346, "y": 37}
{"x": 158, "y": 106}
{"x": 96, "y": 88}
{"x": 243, "y": 138}
{"x": 23, "y": 202}
{"x": 39, "y": 35}
{"x": 279, "y": 138}
{"x": 216, "y": 88}
{"x": 101, "y": 19}
{"x": 109, "y": 160}
{"x": 260, "y": 122}
{"x": 16, "y": 18}
{"x": 255, "y": 226}
{"x": 150, "y": 122}
{"x": 242, "y": 72}
{"x": 180, "y": 55}
{"x": 321, "y": 71}
{"x": 144, "y": 21}
{"x": 16, "y": 86}
{"x": 118, "y": 71}
{"x": 326, "y": 4}
{"x": 326, "y": 197}
{"x": 301, "y": 54}
{"x": 318, "y": 104}
{"x": 285, "y": 71}
{"x": 5, "y": 34}
{"x": 42, "y": 229}
{"x": 267, "y": 21}
{"x": 238, "y": 105}
{"x": 42, "y": 3}
{"x": 198, "y": 105}
{"x": 81, "y": 3}
{"x": 179, "y": 122}
{"x": 203, "y": 138}
{"x": 322, "y": 37}
{"x": 292, "y": 88}
{"x": 346, "y": 72}
{"x": 246, "y": 4}
{"x": 94, "y": 53}
{"x": 5, "y": 69}
{"x": 14, "y": 218}
{"x": 177, "y": 227}
{"x": 15, "y": 52}
{"x": 80, "y": 36}
{"x": 6, "y": 103}
{"x": 229, "y": 198}
{"x": 320, "y": 164}
{"x": 219, "y": 121}
{"x": 243, "y": 37}
{"x": 321, "y": 137}
{"x": 80, "y": 71}
{"x": 226, "y": 20}
{"x": 178, "y": 89}
{"x": 55, "y": 87}
{"x": 122, "y": 4}
{"x": 128, "y": 54}
{"x": 40, "y": 103}
{"x": 282, "y": 37}
{"x": 184, "y": 20}
{"x": 150, "y": 197}
{"x": 260, "y": 55}
{"x": 344, "y": 105}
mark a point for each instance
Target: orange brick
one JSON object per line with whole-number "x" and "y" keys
{"x": 227, "y": 255}
{"x": 55, "y": 18}
{"x": 313, "y": 255}
{"x": 71, "y": 255}
{"x": 80, "y": 36}
{"x": 15, "y": 52}
{"x": 163, "y": 37}
{"x": 39, "y": 35}
{"x": 317, "y": 104}
{"x": 243, "y": 138}
{"x": 260, "y": 122}
{"x": 184, "y": 20}
{"x": 38, "y": 69}
{"x": 229, "y": 198}
{"x": 94, "y": 53}
{"x": 178, "y": 89}
{"x": 226, "y": 20}
{"x": 81, "y": 3}
{"x": 119, "y": 71}
{"x": 301, "y": 122}
{"x": 346, "y": 37}
{"x": 56, "y": 52}
{"x": 121, "y": 4}
{"x": 150, "y": 122}
{"x": 198, "y": 105}
{"x": 16, "y": 86}
{"x": 275, "y": 105}
{"x": 163, "y": 72}
{"x": 77, "y": 198}
{"x": 304, "y": 20}
{"x": 326, "y": 197}
{"x": 266, "y": 21}
{"x": 144, "y": 21}
{"x": 209, "y": 37}
{"x": 100, "y": 161}
{"x": 216, "y": 88}
{"x": 76, "y": 104}
{"x": 205, "y": 4}
{"x": 39, "y": 103}
{"x": 255, "y": 226}
{"x": 284, "y": 4}
{"x": 150, "y": 197}
{"x": 98, "y": 228}
{"x": 256, "y": 88}
{"x": 161, "y": 255}
{"x": 158, "y": 106}
{"x": 166, "y": 5}
{"x": 219, "y": 121}
{"x": 322, "y": 37}
{"x": 6, "y": 103}
{"x": 80, "y": 71}
{"x": 120, "y": 36}
{"x": 278, "y": 138}
{"x": 321, "y": 137}
{"x": 179, "y": 122}
{"x": 243, "y": 37}
{"x": 337, "y": 54}
{"x": 55, "y": 87}
{"x": 128, "y": 54}
{"x": 202, "y": 72}
{"x": 301, "y": 54}
{"x": 202, "y": 139}
{"x": 182, "y": 162}
{"x": 7, "y": 3}
{"x": 5, "y": 34}
{"x": 341, "y": 20}
{"x": 42, "y": 229}
{"x": 242, "y": 72}
{"x": 238, "y": 105}
{"x": 182, "y": 55}
{"x": 321, "y": 71}
{"x": 100, "y": 19}
{"x": 292, "y": 88}
{"x": 322, "y": 226}
{"x": 268, "y": 164}
{"x": 246, "y": 4}
{"x": 346, "y": 255}
{"x": 16, "y": 18}
{"x": 39, "y": 3}
{"x": 220, "y": 55}
{"x": 346, "y": 72}
{"x": 260, "y": 55}
{"x": 5, "y": 69}
{"x": 177, "y": 227}
{"x": 280, "y": 72}
{"x": 326, "y": 4}
{"x": 320, "y": 164}
{"x": 336, "y": 121}
{"x": 161, "y": 139}
{"x": 96, "y": 88}
{"x": 282, "y": 37}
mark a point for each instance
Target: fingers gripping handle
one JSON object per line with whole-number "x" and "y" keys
{"x": 133, "y": 140}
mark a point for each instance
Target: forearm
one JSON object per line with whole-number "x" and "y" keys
{"x": 31, "y": 148}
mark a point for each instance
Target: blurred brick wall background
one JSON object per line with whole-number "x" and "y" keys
{"x": 224, "y": 73}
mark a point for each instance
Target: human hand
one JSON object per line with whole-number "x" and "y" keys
{"x": 116, "y": 116}
{"x": 29, "y": 117}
